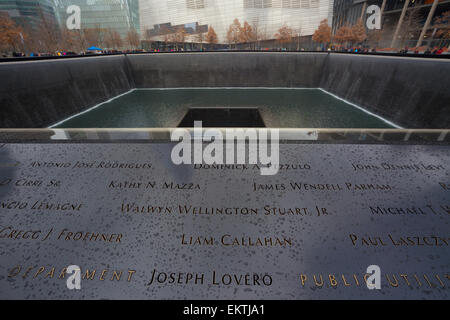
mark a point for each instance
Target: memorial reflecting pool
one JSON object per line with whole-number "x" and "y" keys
{"x": 279, "y": 108}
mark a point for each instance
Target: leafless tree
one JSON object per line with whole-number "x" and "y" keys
{"x": 133, "y": 38}
{"x": 234, "y": 32}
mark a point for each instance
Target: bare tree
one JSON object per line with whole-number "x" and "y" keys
{"x": 200, "y": 38}
{"x": 48, "y": 35}
{"x": 265, "y": 35}
{"x": 234, "y": 32}
{"x": 442, "y": 24}
{"x": 257, "y": 35}
{"x": 133, "y": 38}
{"x": 94, "y": 36}
{"x": 298, "y": 34}
{"x": 113, "y": 39}
{"x": 165, "y": 33}
{"x": 69, "y": 40}
{"x": 411, "y": 25}
{"x": 179, "y": 36}
{"x": 81, "y": 41}
{"x": 246, "y": 33}
{"x": 32, "y": 42}
{"x": 374, "y": 37}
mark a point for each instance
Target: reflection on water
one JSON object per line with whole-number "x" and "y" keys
{"x": 280, "y": 108}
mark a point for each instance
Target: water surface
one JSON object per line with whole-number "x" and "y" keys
{"x": 279, "y": 108}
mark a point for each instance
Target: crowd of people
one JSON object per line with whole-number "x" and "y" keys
{"x": 69, "y": 53}
{"x": 405, "y": 50}
{"x": 359, "y": 49}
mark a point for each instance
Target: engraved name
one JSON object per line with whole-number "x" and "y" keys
{"x": 11, "y": 233}
{"x": 300, "y": 186}
{"x": 410, "y": 211}
{"x": 132, "y": 207}
{"x": 23, "y": 182}
{"x": 213, "y": 278}
{"x": 418, "y": 167}
{"x": 91, "y": 165}
{"x": 244, "y": 167}
{"x": 392, "y": 240}
{"x": 116, "y": 184}
{"x": 228, "y": 240}
{"x": 41, "y": 205}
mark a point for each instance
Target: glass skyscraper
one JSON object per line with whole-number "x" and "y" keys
{"x": 303, "y": 16}
{"x": 118, "y": 15}
{"x": 30, "y": 13}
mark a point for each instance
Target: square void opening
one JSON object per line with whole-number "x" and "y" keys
{"x": 223, "y": 118}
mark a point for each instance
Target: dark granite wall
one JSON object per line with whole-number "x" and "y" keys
{"x": 411, "y": 92}
{"x": 40, "y": 93}
{"x": 239, "y": 69}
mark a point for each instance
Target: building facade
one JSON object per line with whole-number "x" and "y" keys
{"x": 30, "y": 14}
{"x": 118, "y": 15}
{"x": 404, "y": 22}
{"x": 268, "y": 16}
